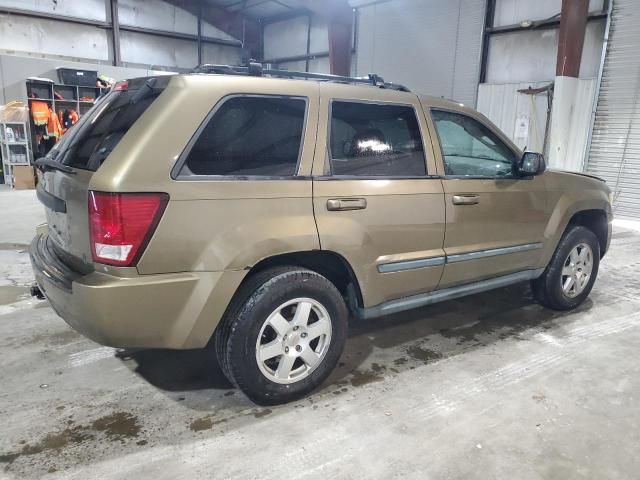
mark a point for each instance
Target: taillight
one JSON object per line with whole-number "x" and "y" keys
{"x": 121, "y": 225}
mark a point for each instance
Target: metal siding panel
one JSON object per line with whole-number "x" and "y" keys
{"x": 614, "y": 152}
{"x": 286, "y": 38}
{"x": 511, "y": 12}
{"x": 431, "y": 46}
{"x": 468, "y": 45}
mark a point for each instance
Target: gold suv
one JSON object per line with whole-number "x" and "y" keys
{"x": 255, "y": 214}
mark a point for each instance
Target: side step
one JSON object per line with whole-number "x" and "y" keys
{"x": 422, "y": 299}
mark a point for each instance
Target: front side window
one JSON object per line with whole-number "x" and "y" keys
{"x": 375, "y": 140}
{"x": 469, "y": 148}
{"x": 250, "y": 136}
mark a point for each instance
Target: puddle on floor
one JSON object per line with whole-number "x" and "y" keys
{"x": 11, "y": 294}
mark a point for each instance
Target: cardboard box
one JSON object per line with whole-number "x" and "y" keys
{"x": 23, "y": 177}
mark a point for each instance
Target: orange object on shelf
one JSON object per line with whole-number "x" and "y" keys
{"x": 54, "y": 129}
{"x": 40, "y": 112}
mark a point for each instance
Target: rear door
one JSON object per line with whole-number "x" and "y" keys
{"x": 80, "y": 153}
{"x": 377, "y": 201}
{"x": 495, "y": 219}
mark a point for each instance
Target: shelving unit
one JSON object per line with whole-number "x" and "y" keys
{"x": 74, "y": 97}
{"x": 15, "y": 147}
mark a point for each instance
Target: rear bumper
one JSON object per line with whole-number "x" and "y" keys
{"x": 177, "y": 310}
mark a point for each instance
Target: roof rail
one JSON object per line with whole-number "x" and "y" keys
{"x": 256, "y": 69}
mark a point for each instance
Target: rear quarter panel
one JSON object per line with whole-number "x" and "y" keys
{"x": 213, "y": 224}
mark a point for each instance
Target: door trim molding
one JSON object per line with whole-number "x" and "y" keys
{"x": 411, "y": 264}
{"x": 492, "y": 252}
{"x": 391, "y": 267}
{"x": 420, "y": 300}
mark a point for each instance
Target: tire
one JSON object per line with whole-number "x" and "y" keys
{"x": 548, "y": 288}
{"x": 251, "y": 323}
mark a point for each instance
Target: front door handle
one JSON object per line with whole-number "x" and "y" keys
{"x": 466, "y": 199}
{"x": 341, "y": 204}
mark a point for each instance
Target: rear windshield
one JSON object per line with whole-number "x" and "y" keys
{"x": 94, "y": 137}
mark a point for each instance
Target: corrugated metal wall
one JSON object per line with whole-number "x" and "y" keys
{"x": 615, "y": 144}
{"x": 507, "y": 108}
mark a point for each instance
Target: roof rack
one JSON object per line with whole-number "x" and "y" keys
{"x": 255, "y": 69}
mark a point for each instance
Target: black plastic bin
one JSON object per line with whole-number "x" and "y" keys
{"x": 73, "y": 76}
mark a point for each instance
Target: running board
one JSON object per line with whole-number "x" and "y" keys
{"x": 420, "y": 300}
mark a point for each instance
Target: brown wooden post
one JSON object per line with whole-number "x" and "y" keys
{"x": 340, "y": 37}
{"x": 573, "y": 25}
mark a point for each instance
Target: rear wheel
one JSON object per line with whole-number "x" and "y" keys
{"x": 282, "y": 335}
{"x": 572, "y": 271}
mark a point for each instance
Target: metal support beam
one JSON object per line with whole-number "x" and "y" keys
{"x": 180, "y": 36}
{"x": 248, "y": 31}
{"x": 51, "y": 16}
{"x": 115, "y": 32}
{"x": 540, "y": 25}
{"x": 573, "y": 25}
{"x": 200, "y": 34}
{"x": 489, "y": 19}
{"x": 299, "y": 58}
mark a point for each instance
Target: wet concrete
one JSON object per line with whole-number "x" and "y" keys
{"x": 490, "y": 386}
{"x": 10, "y": 294}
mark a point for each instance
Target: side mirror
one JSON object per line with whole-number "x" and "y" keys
{"x": 531, "y": 163}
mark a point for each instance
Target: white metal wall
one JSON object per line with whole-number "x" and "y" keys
{"x": 432, "y": 46}
{"x": 523, "y": 117}
{"x": 49, "y": 38}
{"x": 531, "y": 55}
{"x": 615, "y": 143}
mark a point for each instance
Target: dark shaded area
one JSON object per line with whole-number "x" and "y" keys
{"x": 425, "y": 335}
{"x": 177, "y": 370}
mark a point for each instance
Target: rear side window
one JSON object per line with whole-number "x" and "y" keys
{"x": 98, "y": 132}
{"x": 250, "y": 136}
{"x": 375, "y": 140}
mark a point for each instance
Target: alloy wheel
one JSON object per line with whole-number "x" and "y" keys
{"x": 293, "y": 340}
{"x": 577, "y": 270}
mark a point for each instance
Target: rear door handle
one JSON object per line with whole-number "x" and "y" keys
{"x": 465, "y": 199}
{"x": 341, "y": 204}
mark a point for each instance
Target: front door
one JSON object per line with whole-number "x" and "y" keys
{"x": 377, "y": 201}
{"x": 495, "y": 219}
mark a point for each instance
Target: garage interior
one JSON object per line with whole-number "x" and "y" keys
{"x": 488, "y": 386}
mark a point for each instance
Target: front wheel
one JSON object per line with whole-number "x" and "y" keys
{"x": 572, "y": 271}
{"x": 282, "y": 335}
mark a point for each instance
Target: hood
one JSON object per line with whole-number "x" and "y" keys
{"x": 579, "y": 174}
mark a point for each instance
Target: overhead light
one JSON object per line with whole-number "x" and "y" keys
{"x": 526, "y": 23}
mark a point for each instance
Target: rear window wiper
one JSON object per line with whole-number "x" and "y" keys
{"x": 45, "y": 164}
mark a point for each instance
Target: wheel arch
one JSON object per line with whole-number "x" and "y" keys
{"x": 327, "y": 263}
{"x": 587, "y": 208}
{"x": 595, "y": 220}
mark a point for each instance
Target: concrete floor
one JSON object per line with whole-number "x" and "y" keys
{"x": 491, "y": 386}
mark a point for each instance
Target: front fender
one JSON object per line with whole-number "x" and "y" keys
{"x": 567, "y": 205}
